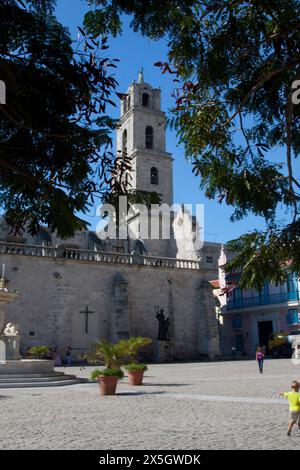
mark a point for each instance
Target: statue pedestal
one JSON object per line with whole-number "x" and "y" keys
{"x": 12, "y": 347}
{"x": 164, "y": 351}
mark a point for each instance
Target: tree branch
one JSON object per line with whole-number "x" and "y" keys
{"x": 257, "y": 86}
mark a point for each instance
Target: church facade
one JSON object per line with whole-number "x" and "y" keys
{"x": 73, "y": 292}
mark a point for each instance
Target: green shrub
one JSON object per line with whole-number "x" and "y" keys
{"x": 133, "y": 367}
{"x": 108, "y": 372}
{"x": 38, "y": 352}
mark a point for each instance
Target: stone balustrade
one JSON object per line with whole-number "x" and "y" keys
{"x": 95, "y": 256}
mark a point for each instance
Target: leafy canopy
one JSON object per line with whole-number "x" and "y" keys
{"x": 234, "y": 64}
{"x": 55, "y": 134}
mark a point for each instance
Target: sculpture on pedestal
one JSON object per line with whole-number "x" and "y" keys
{"x": 10, "y": 330}
{"x": 14, "y": 369}
{"x": 163, "y": 326}
{"x": 164, "y": 345}
{"x": 9, "y": 333}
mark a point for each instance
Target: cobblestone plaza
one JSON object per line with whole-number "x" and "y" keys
{"x": 225, "y": 405}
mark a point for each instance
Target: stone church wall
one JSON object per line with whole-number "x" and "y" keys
{"x": 55, "y": 291}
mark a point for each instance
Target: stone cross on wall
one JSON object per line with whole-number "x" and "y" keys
{"x": 86, "y": 312}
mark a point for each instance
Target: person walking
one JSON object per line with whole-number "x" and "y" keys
{"x": 57, "y": 358}
{"x": 293, "y": 397}
{"x": 69, "y": 356}
{"x": 260, "y": 359}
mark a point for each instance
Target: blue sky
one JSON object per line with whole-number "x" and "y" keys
{"x": 134, "y": 52}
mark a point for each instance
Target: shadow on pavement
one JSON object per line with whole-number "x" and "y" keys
{"x": 139, "y": 393}
{"x": 165, "y": 385}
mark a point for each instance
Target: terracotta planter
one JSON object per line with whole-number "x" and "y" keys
{"x": 135, "y": 377}
{"x": 107, "y": 385}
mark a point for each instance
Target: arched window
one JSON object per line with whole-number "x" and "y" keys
{"x": 149, "y": 137}
{"x": 154, "y": 175}
{"x": 145, "y": 100}
{"x": 128, "y": 103}
{"x": 124, "y": 142}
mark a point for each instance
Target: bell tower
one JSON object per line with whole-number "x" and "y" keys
{"x": 141, "y": 134}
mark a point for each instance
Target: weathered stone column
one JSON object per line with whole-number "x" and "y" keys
{"x": 208, "y": 336}
{"x": 119, "y": 324}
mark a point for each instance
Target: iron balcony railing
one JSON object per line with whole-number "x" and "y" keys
{"x": 263, "y": 300}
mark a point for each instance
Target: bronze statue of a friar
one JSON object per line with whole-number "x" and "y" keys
{"x": 163, "y": 326}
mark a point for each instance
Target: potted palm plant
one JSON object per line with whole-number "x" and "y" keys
{"x": 111, "y": 355}
{"x": 131, "y": 348}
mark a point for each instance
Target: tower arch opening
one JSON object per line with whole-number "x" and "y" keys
{"x": 145, "y": 100}
{"x": 124, "y": 142}
{"x": 149, "y": 137}
{"x": 154, "y": 175}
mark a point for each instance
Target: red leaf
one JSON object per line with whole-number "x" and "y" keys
{"x": 122, "y": 96}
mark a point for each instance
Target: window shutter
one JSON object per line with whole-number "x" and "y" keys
{"x": 292, "y": 317}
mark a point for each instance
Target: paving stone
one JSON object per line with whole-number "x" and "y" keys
{"x": 225, "y": 405}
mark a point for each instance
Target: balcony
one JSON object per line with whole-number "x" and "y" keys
{"x": 71, "y": 254}
{"x": 263, "y": 300}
